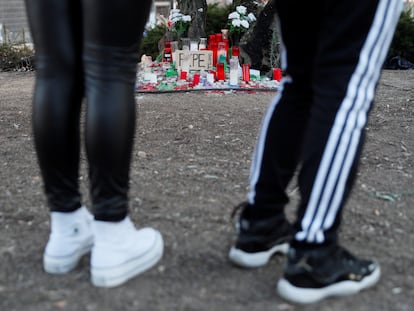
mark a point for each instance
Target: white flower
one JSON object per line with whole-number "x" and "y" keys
{"x": 186, "y": 18}
{"x": 175, "y": 15}
{"x": 239, "y": 21}
{"x": 176, "y": 19}
{"x": 236, "y": 22}
{"x": 245, "y": 24}
{"x": 178, "y": 22}
{"x": 251, "y": 17}
{"x": 241, "y": 9}
{"x": 234, "y": 15}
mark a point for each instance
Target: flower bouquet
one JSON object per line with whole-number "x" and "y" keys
{"x": 239, "y": 22}
{"x": 178, "y": 23}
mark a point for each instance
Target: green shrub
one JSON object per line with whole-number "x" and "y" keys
{"x": 16, "y": 57}
{"x": 403, "y": 42}
{"x": 217, "y": 18}
{"x": 149, "y": 43}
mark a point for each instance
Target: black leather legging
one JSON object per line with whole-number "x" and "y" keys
{"x": 86, "y": 49}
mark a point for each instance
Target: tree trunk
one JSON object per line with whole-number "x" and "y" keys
{"x": 250, "y": 5}
{"x": 197, "y": 9}
{"x": 258, "y": 41}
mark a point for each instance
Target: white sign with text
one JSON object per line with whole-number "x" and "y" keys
{"x": 193, "y": 60}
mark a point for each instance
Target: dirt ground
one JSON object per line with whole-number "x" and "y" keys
{"x": 190, "y": 167}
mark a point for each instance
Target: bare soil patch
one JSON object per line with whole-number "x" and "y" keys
{"x": 191, "y": 165}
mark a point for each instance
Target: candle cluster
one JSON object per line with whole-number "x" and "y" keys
{"x": 199, "y": 64}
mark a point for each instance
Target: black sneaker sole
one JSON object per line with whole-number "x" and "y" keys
{"x": 256, "y": 259}
{"x": 301, "y": 295}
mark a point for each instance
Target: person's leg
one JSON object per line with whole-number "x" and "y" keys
{"x": 352, "y": 44}
{"x": 56, "y": 111}
{"x": 263, "y": 228}
{"x": 112, "y": 35}
{"x": 57, "y": 98}
{"x": 111, "y": 46}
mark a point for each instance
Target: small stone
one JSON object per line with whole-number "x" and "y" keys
{"x": 142, "y": 154}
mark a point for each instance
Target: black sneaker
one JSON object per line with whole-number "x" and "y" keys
{"x": 258, "y": 240}
{"x": 310, "y": 277}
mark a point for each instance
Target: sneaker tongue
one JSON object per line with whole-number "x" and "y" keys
{"x": 113, "y": 231}
{"x": 314, "y": 251}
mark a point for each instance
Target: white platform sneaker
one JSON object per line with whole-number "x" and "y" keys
{"x": 70, "y": 238}
{"x": 121, "y": 252}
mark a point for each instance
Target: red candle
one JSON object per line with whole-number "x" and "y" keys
{"x": 211, "y": 40}
{"x": 214, "y": 49}
{"x": 220, "y": 72}
{"x": 183, "y": 75}
{"x": 277, "y": 74}
{"x": 246, "y": 72}
{"x": 235, "y": 51}
{"x": 221, "y": 52}
{"x": 167, "y": 55}
{"x": 196, "y": 79}
{"x": 226, "y": 42}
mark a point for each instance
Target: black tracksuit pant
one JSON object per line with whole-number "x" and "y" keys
{"x": 86, "y": 49}
{"x": 333, "y": 53}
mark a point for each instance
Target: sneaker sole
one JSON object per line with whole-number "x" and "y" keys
{"x": 301, "y": 295}
{"x": 258, "y": 259}
{"x": 118, "y": 275}
{"x": 62, "y": 265}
